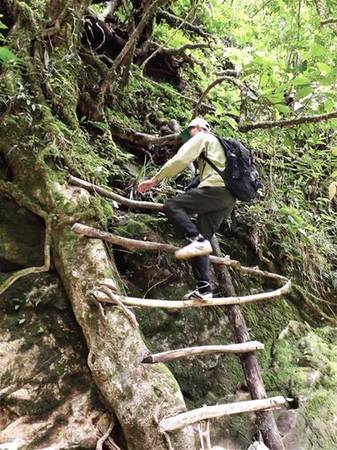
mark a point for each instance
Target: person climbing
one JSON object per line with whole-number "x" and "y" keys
{"x": 211, "y": 201}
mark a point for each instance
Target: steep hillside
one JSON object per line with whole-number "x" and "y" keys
{"x": 102, "y": 92}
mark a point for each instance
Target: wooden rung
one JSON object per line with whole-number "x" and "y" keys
{"x": 203, "y": 350}
{"x": 208, "y": 412}
{"x": 178, "y": 304}
{"x": 137, "y": 245}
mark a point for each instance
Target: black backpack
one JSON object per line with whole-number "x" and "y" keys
{"x": 240, "y": 175}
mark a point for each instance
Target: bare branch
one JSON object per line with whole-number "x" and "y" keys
{"x": 203, "y": 350}
{"x": 323, "y": 15}
{"x": 181, "y": 304}
{"x": 161, "y": 47}
{"x": 112, "y": 195}
{"x": 133, "y": 244}
{"x": 147, "y": 16}
{"x": 184, "y": 419}
{"x": 142, "y": 138}
{"x": 232, "y": 80}
{"x": 328, "y": 21}
{"x": 289, "y": 122}
{"x": 194, "y": 28}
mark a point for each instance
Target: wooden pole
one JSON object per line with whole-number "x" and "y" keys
{"x": 108, "y": 193}
{"x": 207, "y": 412}
{"x": 134, "y": 245}
{"x": 203, "y": 350}
{"x": 250, "y": 365}
{"x": 179, "y": 304}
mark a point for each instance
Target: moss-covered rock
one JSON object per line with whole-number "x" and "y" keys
{"x": 21, "y": 237}
{"x": 305, "y": 361}
{"x": 46, "y": 392}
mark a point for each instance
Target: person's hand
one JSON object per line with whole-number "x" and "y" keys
{"x": 146, "y": 185}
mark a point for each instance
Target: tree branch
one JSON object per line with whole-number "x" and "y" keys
{"x": 232, "y": 80}
{"x": 206, "y": 412}
{"x": 148, "y": 14}
{"x": 139, "y": 138}
{"x": 112, "y": 195}
{"x": 129, "y": 314}
{"x": 203, "y": 350}
{"x": 181, "y": 304}
{"x": 328, "y": 21}
{"x": 288, "y": 123}
{"x": 323, "y": 15}
{"x": 133, "y": 244}
{"x": 161, "y": 47}
{"x": 194, "y": 28}
{"x": 101, "y": 440}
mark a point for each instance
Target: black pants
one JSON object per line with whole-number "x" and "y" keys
{"x": 213, "y": 205}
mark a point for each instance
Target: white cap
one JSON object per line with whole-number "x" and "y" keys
{"x": 199, "y": 121}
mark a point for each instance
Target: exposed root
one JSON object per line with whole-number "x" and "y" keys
{"x": 101, "y": 440}
{"x": 30, "y": 270}
{"x": 14, "y": 192}
{"x": 114, "y": 298}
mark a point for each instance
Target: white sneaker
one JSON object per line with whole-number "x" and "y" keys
{"x": 195, "y": 248}
{"x": 197, "y": 295}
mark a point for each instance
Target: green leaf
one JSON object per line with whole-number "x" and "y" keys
{"x": 318, "y": 50}
{"x": 334, "y": 151}
{"x": 303, "y": 92}
{"x": 301, "y": 80}
{"x": 282, "y": 108}
{"x": 275, "y": 98}
{"x": 231, "y": 122}
{"x": 6, "y": 54}
{"x": 324, "y": 68}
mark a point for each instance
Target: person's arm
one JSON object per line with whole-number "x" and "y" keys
{"x": 147, "y": 185}
{"x": 187, "y": 153}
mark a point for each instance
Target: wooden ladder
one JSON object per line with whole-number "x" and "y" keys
{"x": 243, "y": 347}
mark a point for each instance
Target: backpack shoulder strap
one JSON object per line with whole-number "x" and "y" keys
{"x": 226, "y": 144}
{"x": 204, "y": 157}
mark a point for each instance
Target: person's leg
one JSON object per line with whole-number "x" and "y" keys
{"x": 201, "y": 201}
{"x": 207, "y": 225}
{"x": 178, "y": 210}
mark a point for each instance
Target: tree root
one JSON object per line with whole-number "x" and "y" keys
{"x": 101, "y": 440}
{"x": 23, "y": 201}
{"x": 114, "y": 298}
{"x": 30, "y": 270}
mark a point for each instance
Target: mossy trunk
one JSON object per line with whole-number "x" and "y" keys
{"x": 39, "y": 127}
{"x": 138, "y": 394}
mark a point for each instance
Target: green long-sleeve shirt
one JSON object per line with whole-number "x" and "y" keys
{"x": 190, "y": 151}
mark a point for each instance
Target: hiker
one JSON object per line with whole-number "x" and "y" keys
{"x": 210, "y": 200}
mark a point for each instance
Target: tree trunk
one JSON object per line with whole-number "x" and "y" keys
{"x": 139, "y": 394}
{"x": 38, "y": 125}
